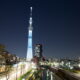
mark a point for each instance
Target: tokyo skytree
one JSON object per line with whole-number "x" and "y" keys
{"x": 29, "y": 47}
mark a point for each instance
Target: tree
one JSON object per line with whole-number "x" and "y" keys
{"x": 2, "y": 48}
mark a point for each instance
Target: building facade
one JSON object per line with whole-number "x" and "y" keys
{"x": 38, "y": 50}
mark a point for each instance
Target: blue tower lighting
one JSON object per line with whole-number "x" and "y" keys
{"x": 29, "y": 48}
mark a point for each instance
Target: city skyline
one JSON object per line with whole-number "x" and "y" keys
{"x": 56, "y": 26}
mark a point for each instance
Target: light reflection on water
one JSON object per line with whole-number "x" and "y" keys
{"x": 47, "y": 75}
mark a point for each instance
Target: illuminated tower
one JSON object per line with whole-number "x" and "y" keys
{"x": 29, "y": 48}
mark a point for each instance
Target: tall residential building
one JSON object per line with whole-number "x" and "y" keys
{"x": 38, "y": 50}
{"x": 29, "y": 47}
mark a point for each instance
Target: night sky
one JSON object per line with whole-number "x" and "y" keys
{"x": 56, "y": 26}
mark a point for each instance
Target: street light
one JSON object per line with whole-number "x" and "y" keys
{"x": 23, "y": 79}
{"x": 79, "y": 65}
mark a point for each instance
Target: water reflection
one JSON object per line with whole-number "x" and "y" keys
{"x": 47, "y": 75}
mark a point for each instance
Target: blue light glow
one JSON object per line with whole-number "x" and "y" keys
{"x": 29, "y": 50}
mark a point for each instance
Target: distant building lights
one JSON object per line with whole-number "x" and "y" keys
{"x": 71, "y": 67}
{"x": 79, "y": 64}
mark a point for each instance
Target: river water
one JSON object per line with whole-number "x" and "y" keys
{"x": 48, "y": 75}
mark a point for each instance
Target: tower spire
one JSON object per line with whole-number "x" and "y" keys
{"x": 30, "y": 19}
{"x": 31, "y": 11}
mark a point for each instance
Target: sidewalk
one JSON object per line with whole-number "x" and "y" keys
{"x": 16, "y": 72}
